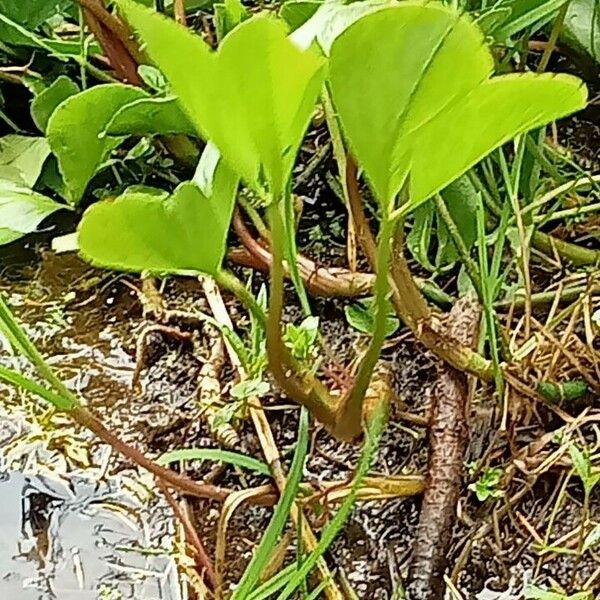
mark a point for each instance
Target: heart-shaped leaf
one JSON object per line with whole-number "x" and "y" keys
{"x": 412, "y": 87}
{"x": 75, "y": 132}
{"x": 183, "y": 234}
{"x": 253, "y": 97}
{"x": 22, "y": 158}
{"x": 22, "y": 210}
{"x": 150, "y": 116}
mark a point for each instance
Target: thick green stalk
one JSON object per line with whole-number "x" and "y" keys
{"x": 350, "y": 414}
{"x": 292, "y": 251}
{"x": 227, "y": 280}
{"x": 577, "y": 255}
{"x": 298, "y": 383}
{"x": 408, "y": 301}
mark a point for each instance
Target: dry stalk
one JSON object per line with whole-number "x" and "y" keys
{"x": 267, "y": 442}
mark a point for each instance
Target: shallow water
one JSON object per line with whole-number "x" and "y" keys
{"x": 67, "y": 529}
{"x": 80, "y": 539}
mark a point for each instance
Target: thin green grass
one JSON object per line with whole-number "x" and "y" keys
{"x": 373, "y": 436}
{"x": 216, "y": 454}
{"x": 280, "y": 516}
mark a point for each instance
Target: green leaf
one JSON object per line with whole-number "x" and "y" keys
{"x": 29, "y": 385}
{"x": 75, "y": 132}
{"x": 300, "y": 339}
{"x": 419, "y": 238}
{"x": 524, "y": 14}
{"x": 253, "y": 98}
{"x": 137, "y": 232}
{"x": 22, "y": 158}
{"x": 227, "y": 16}
{"x": 331, "y": 19}
{"x": 582, "y": 27}
{"x": 8, "y": 236}
{"x": 583, "y": 466}
{"x": 461, "y": 199}
{"x": 592, "y": 539}
{"x": 360, "y": 315}
{"x": 487, "y": 486}
{"x": 248, "y": 388}
{"x": 46, "y": 102}
{"x": 22, "y": 210}
{"x": 150, "y": 116}
{"x": 205, "y": 170}
{"x": 533, "y": 592}
{"x": 295, "y": 14}
{"x": 413, "y": 91}
{"x": 279, "y": 580}
{"x": 153, "y": 78}
{"x": 30, "y": 14}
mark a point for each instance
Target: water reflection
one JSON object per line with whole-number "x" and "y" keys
{"x": 83, "y": 539}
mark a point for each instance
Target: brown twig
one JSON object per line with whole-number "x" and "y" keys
{"x": 298, "y": 383}
{"x": 179, "y": 11}
{"x": 323, "y": 281}
{"x": 115, "y": 39}
{"x": 116, "y": 27}
{"x": 447, "y": 447}
{"x": 181, "y": 482}
{"x": 202, "y": 559}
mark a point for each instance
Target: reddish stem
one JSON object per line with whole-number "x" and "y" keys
{"x": 323, "y": 281}
{"x": 203, "y": 561}
{"x": 187, "y": 485}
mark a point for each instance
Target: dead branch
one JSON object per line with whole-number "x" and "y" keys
{"x": 447, "y": 447}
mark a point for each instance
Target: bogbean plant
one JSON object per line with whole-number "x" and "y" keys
{"x": 409, "y": 86}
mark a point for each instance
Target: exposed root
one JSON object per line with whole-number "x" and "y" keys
{"x": 447, "y": 443}
{"x": 210, "y": 392}
{"x": 324, "y": 281}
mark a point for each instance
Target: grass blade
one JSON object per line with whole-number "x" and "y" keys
{"x": 280, "y": 579}
{"x": 280, "y": 515}
{"x": 20, "y": 381}
{"x": 371, "y": 444}
{"x": 232, "y": 458}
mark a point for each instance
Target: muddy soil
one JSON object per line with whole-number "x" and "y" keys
{"x": 87, "y": 322}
